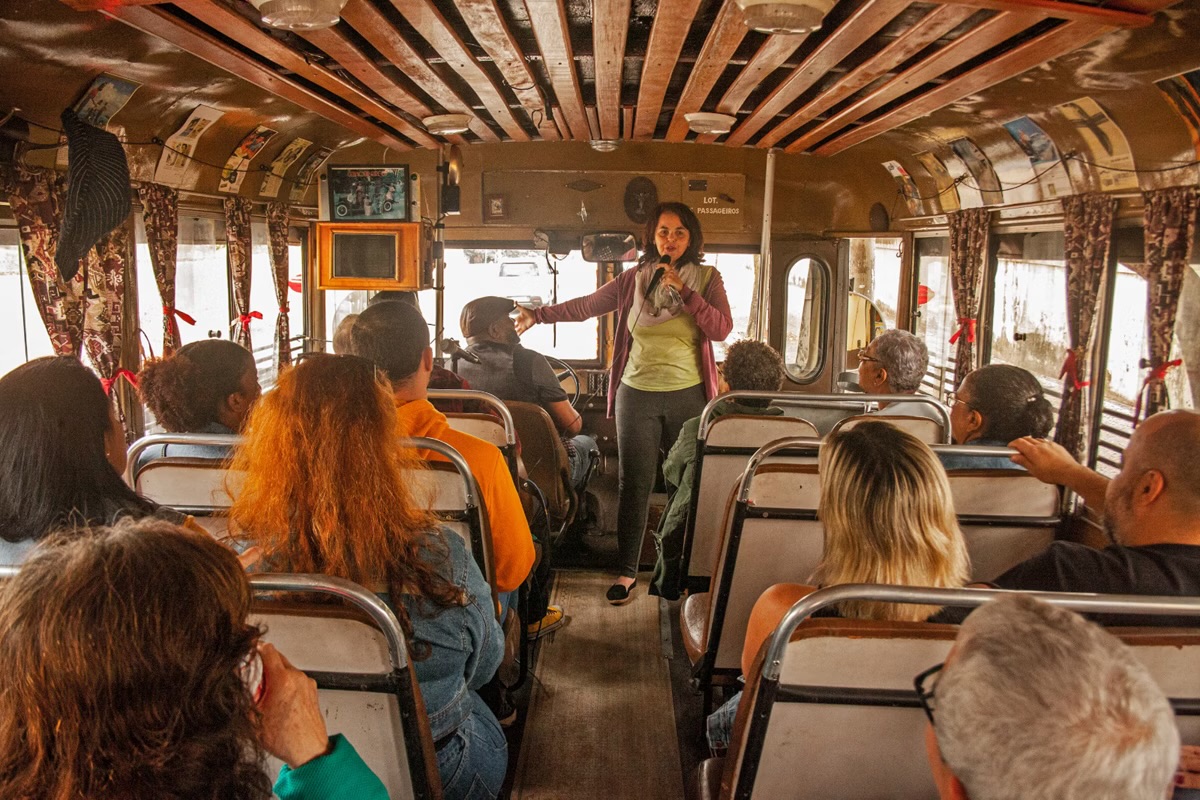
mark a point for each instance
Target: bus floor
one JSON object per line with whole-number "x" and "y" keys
{"x": 604, "y": 716}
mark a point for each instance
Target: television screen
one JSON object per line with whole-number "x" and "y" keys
{"x": 364, "y": 255}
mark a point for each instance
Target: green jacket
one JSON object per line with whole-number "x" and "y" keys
{"x": 340, "y": 773}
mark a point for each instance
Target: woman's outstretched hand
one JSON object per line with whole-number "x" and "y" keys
{"x": 524, "y": 319}
{"x": 292, "y": 727}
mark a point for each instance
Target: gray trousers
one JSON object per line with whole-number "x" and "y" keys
{"x": 646, "y": 422}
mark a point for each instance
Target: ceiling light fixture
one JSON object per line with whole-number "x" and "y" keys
{"x": 704, "y": 122}
{"x": 604, "y": 145}
{"x": 785, "y": 16}
{"x": 447, "y": 124}
{"x": 300, "y": 15}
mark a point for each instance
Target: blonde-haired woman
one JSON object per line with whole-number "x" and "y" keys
{"x": 327, "y": 490}
{"x": 888, "y": 517}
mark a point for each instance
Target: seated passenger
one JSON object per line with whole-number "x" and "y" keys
{"x": 1151, "y": 511}
{"x": 994, "y": 405}
{"x": 205, "y": 387}
{"x": 62, "y": 452}
{"x": 749, "y": 366}
{"x": 1035, "y": 703}
{"x": 511, "y": 372}
{"x": 142, "y": 694}
{"x": 889, "y": 518}
{"x": 894, "y": 363}
{"x": 327, "y": 490}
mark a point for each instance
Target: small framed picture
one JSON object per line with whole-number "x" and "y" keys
{"x": 495, "y": 207}
{"x": 368, "y": 193}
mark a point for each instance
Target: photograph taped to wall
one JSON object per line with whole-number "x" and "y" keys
{"x": 980, "y": 168}
{"x": 180, "y": 146}
{"x": 1107, "y": 148}
{"x": 1183, "y": 93}
{"x": 908, "y": 187}
{"x": 307, "y": 169}
{"x": 282, "y": 163}
{"x": 947, "y": 190}
{"x": 1043, "y": 156}
{"x": 238, "y": 163}
{"x": 365, "y": 192}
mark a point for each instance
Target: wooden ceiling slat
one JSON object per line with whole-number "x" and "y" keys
{"x": 627, "y": 122}
{"x": 866, "y": 21}
{"x": 104, "y": 5}
{"x": 1116, "y": 16}
{"x": 672, "y": 20}
{"x": 560, "y": 124}
{"x": 549, "y": 21}
{"x": 728, "y": 31}
{"x": 486, "y": 24}
{"x": 157, "y": 22}
{"x": 434, "y": 28}
{"x": 610, "y": 20}
{"x": 966, "y": 47}
{"x": 773, "y": 54}
{"x": 375, "y": 28}
{"x": 593, "y": 123}
{"x": 929, "y": 29}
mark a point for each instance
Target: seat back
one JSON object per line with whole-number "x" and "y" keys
{"x": 495, "y": 427}
{"x": 1007, "y": 516}
{"x": 722, "y": 452}
{"x": 927, "y": 430}
{"x": 545, "y": 459}
{"x": 175, "y": 470}
{"x": 365, "y": 683}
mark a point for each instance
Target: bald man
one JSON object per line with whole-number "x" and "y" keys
{"x": 1151, "y": 510}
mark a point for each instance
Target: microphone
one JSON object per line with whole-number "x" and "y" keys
{"x": 453, "y": 349}
{"x": 658, "y": 274}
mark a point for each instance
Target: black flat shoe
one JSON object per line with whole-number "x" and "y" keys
{"x": 619, "y": 594}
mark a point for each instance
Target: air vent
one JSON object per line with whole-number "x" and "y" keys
{"x": 785, "y": 16}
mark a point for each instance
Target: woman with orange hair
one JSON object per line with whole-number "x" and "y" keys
{"x": 328, "y": 490}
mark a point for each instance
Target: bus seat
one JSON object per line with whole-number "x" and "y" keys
{"x": 1006, "y": 516}
{"x": 367, "y": 689}
{"x": 481, "y": 426}
{"x": 927, "y": 430}
{"x": 495, "y": 427}
{"x": 546, "y": 461}
{"x": 720, "y": 459}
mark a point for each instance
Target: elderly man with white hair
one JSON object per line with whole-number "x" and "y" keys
{"x": 1036, "y": 703}
{"x": 894, "y": 363}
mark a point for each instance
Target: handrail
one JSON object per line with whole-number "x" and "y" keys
{"x": 967, "y": 598}
{"x": 9, "y": 570}
{"x": 510, "y": 428}
{"x": 821, "y": 399}
{"x": 347, "y": 590}
{"x": 196, "y": 439}
{"x": 451, "y": 455}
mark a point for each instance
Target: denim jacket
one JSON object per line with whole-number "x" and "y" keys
{"x": 466, "y": 641}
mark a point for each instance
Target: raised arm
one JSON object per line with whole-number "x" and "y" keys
{"x": 1051, "y": 463}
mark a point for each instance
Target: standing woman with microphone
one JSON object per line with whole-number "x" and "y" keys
{"x": 670, "y": 309}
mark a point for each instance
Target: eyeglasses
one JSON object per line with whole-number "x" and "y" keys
{"x": 862, "y": 356}
{"x": 954, "y": 398}
{"x": 926, "y": 695}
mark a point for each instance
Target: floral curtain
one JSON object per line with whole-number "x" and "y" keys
{"x": 160, "y": 211}
{"x": 968, "y": 255}
{"x": 36, "y": 197}
{"x": 107, "y": 265}
{"x": 277, "y": 234}
{"x": 1088, "y": 226}
{"x": 237, "y": 240}
{"x": 1170, "y": 223}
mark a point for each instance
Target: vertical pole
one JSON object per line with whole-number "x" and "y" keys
{"x": 439, "y": 257}
{"x": 764, "y": 283}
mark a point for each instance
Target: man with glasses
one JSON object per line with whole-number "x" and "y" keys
{"x": 1035, "y": 703}
{"x": 894, "y": 363}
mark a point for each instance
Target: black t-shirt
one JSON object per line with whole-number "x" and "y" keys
{"x": 1171, "y": 570}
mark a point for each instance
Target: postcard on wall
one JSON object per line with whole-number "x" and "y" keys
{"x": 106, "y": 96}
{"x": 282, "y": 163}
{"x": 983, "y": 176}
{"x": 180, "y": 146}
{"x": 304, "y": 175}
{"x": 908, "y": 187}
{"x": 1043, "y": 156}
{"x": 947, "y": 198}
{"x": 1183, "y": 93}
{"x": 1107, "y": 148}
{"x": 238, "y": 163}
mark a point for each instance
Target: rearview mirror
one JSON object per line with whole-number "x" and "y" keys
{"x": 600, "y": 248}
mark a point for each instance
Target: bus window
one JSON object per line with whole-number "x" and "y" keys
{"x": 935, "y": 317}
{"x": 201, "y": 282}
{"x": 262, "y": 299}
{"x": 875, "y": 274}
{"x": 738, "y": 272}
{"x": 807, "y": 300}
{"x": 22, "y": 334}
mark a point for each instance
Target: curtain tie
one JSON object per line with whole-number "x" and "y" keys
{"x": 173, "y": 311}
{"x": 244, "y": 319}
{"x": 108, "y": 383}
{"x": 1157, "y": 375}
{"x": 1070, "y": 371}
{"x": 295, "y": 286}
{"x": 284, "y": 310}
{"x": 965, "y": 325}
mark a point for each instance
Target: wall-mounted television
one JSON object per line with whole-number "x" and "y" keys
{"x": 365, "y": 255}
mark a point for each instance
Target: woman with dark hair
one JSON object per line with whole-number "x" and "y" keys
{"x": 144, "y": 698}
{"x": 670, "y": 309}
{"x": 327, "y": 489}
{"x": 993, "y": 406}
{"x": 62, "y": 452}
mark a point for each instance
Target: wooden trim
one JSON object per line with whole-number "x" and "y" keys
{"x": 864, "y": 23}
{"x": 434, "y": 28}
{"x": 929, "y": 29}
{"x": 593, "y": 123}
{"x": 560, "y": 124}
{"x": 159, "y": 23}
{"x": 486, "y": 23}
{"x": 672, "y": 21}
{"x": 627, "y": 115}
{"x": 773, "y": 54}
{"x": 548, "y": 18}
{"x": 610, "y": 20}
{"x": 726, "y": 35}
{"x": 1114, "y": 15}
{"x": 105, "y": 5}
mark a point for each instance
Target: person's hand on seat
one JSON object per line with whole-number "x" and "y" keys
{"x": 291, "y": 728}
{"x": 1045, "y": 460}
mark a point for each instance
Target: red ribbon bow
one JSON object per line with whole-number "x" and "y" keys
{"x": 173, "y": 311}
{"x": 1158, "y": 374}
{"x": 244, "y": 319}
{"x": 295, "y": 286}
{"x": 284, "y": 310}
{"x": 1070, "y": 370}
{"x": 965, "y": 325}
{"x": 108, "y": 383}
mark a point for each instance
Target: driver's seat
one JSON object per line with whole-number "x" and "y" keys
{"x": 546, "y": 461}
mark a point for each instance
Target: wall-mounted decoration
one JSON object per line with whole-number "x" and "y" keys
{"x": 980, "y": 168}
{"x": 238, "y": 163}
{"x": 106, "y": 96}
{"x": 311, "y": 164}
{"x": 282, "y": 163}
{"x": 641, "y": 196}
{"x": 908, "y": 187}
{"x": 1183, "y": 93}
{"x": 947, "y": 198}
{"x": 1107, "y": 148}
{"x": 363, "y": 193}
{"x": 180, "y": 146}
{"x": 1043, "y": 155}
{"x": 495, "y": 207}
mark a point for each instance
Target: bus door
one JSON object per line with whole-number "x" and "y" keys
{"x": 808, "y": 290}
